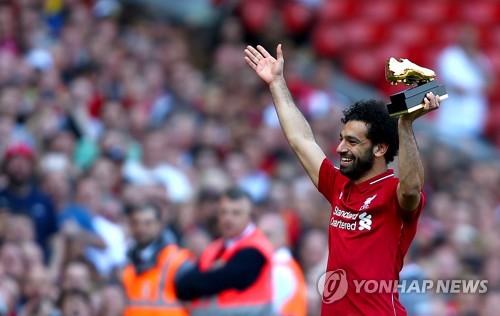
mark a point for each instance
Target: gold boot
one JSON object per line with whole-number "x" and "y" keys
{"x": 404, "y": 71}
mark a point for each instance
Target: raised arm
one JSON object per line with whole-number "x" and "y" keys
{"x": 296, "y": 128}
{"x": 411, "y": 171}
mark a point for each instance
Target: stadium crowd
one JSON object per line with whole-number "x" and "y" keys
{"x": 105, "y": 106}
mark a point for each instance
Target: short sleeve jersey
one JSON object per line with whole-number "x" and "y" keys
{"x": 369, "y": 235}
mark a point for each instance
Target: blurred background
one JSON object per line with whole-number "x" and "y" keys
{"x": 106, "y": 104}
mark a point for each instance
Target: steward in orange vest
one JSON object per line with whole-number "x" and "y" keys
{"x": 155, "y": 263}
{"x": 233, "y": 276}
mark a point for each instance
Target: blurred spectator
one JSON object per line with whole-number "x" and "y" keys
{"x": 10, "y": 294}
{"x": 289, "y": 285}
{"x": 57, "y": 185}
{"x": 75, "y": 302}
{"x": 22, "y": 195}
{"x": 112, "y": 300}
{"x": 107, "y": 176}
{"x": 154, "y": 265}
{"x": 416, "y": 304}
{"x": 196, "y": 240}
{"x": 114, "y": 255}
{"x": 153, "y": 169}
{"x": 77, "y": 275}
{"x": 39, "y": 293}
{"x": 206, "y": 211}
{"x": 313, "y": 260}
{"x": 12, "y": 261}
{"x": 199, "y": 12}
{"x": 491, "y": 303}
{"x": 247, "y": 176}
{"x": 32, "y": 253}
{"x": 240, "y": 260}
{"x": 467, "y": 74}
{"x": 19, "y": 229}
{"x": 77, "y": 219}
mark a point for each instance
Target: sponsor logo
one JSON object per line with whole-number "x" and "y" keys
{"x": 365, "y": 221}
{"x": 350, "y": 221}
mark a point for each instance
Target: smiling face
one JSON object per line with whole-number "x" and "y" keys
{"x": 356, "y": 150}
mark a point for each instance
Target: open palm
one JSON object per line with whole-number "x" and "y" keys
{"x": 266, "y": 66}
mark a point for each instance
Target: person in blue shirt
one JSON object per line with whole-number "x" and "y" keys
{"x": 21, "y": 195}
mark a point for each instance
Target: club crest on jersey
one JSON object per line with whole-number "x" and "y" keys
{"x": 367, "y": 203}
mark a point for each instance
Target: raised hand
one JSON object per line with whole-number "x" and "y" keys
{"x": 266, "y": 66}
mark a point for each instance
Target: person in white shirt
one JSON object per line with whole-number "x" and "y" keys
{"x": 467, "y": 74}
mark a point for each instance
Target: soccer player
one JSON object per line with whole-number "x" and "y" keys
{"x": 374, "y": 215}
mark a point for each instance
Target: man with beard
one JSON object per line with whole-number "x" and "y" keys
{"x": 374, "y": 215}
{"x": 22, "y": 195}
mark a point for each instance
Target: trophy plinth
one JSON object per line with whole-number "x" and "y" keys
{"x": 412, "y": 99}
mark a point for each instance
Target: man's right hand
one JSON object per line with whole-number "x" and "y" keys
{"x": 267, "y": 67}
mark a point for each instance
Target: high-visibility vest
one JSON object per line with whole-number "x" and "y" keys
{"x": 296, "y": 304}
{"x": 256, "y": 300}
{"x": 152, "y": 293}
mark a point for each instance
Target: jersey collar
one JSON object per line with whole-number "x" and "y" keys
{"x": 363, "y": 186}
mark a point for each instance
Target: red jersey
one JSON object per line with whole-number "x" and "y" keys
{"x": 369, "y": 235}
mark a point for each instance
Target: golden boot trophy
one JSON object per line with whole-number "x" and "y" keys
{"x": 408, "y": 73}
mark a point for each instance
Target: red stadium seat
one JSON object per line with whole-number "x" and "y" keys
{"x": 480, "y": 12}
{"x": 328, "y": 40}
{"x": 492, "y": 33}
{"x": 492, "y": 129}
{"x": 447, "y": 34}
{"x": 432, "y": 11}
{"x": 412, "y": 33}
{"x": 336, "y": 10}
{"x": 255, "y": 14}
{"x": 362, "y": 33}
{"x": 388, "y": 50}
{"x": 383, "y": 11}
{"x": 297, "y": 17}
{"x": 364, "y": 66}
{"x": 493, "y": 54}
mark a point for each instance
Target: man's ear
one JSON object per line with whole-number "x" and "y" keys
{"x": 379, "y": 150}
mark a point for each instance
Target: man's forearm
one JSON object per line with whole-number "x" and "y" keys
{"x": 292, "y": 121}
{"x": 411, "y": 171}
{"x": 240, "y": 272}
{"x": 92, "y": 239}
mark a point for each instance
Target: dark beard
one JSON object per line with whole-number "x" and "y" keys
{"x": 360, "y": 166}
{"x": 18, "y": 182}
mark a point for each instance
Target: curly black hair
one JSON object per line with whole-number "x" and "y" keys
{"x": 382, "y": 129}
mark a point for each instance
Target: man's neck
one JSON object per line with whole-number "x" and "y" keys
{"x": 146, "y": 251}
{"x": 247, "y": 231}
{"x": 373, "y": 172}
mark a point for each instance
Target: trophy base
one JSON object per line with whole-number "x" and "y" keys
{"x": 412, "y": 99}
